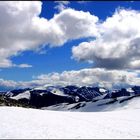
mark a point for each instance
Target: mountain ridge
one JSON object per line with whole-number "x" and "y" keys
{"x": 43, "y": 97}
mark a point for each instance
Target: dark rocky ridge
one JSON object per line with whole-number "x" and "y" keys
{"x": 38, "y": 98}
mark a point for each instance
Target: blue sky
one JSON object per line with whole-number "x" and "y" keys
{"x": 59, "y": 59}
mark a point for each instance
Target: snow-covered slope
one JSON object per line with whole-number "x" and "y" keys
{"x": 25, "y": 95}
{"x": 119, "y": 103}
{"x": 57, "y": 91}
{"x": 32, "y": 123}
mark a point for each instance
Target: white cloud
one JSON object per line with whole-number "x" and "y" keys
{"x": 7, "y": 83}
{"x": 94, "y": 77}
{"x": 84, "y": 77}
{"x": 71, "y": 24}
{"x": 82, "y": 1}
{"x": 22, "y": 29}
{"x": 15, "y": 36}
{"x": 24, "y": 66}
{"x": 118, "y": 45}
{"x": 135, "y": 64}
{"x": 61, "y": 5}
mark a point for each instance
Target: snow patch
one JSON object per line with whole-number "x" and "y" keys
{"x": 25, "y": 95}
{"x": 58, "y": 92}
{"x": 102, "y": 90}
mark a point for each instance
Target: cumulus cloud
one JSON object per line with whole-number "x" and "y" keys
{"x": 84, "y": 77}
{"x": 7, "y": 83}
{"x": 93, "y": 77}
{"x": 15, "y": 20}
{"x": 118, "y": 46}
{"x": 61, "y": 5}
{"x": 74, "y": 24}
{"x": 115, "y": 44}
{"x": 22, "y": 29}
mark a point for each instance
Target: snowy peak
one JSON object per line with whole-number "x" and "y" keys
{"x": 48, "y": 96}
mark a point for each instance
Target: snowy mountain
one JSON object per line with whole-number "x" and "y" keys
{"x": 95, "y": 105}
{"x": 15, "y": 92}
{"x": 46, "y": 96}
{"x": 70, "y": 96}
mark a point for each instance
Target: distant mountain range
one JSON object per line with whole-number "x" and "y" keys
{"x": 42, "y": 97}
